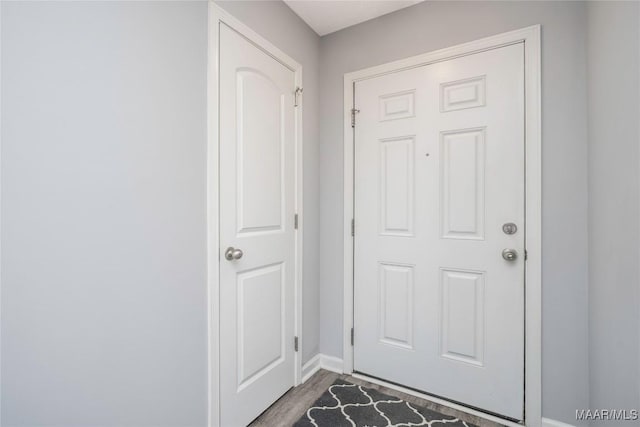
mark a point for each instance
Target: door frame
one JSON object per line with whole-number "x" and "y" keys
{"x": 216, "y": 17}
{"x": 530, "y": 36}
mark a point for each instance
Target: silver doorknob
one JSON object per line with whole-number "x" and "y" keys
{"x": 510, "y": 254}
{"x": 232, "y": 253}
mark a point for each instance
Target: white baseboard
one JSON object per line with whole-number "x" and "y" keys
{"x": 547, "y": 422}
{"x": 330, "y": 363}
{"x": 311, "y": 367}
{"x": 321, "y": 361}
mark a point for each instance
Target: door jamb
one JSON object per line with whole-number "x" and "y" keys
{"x": 530, "y": 36}
{"x": 216, "y": 17}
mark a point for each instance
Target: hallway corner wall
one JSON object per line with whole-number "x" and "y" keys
{"x": 614, "y": 205}
{"x": 104, "y": 132}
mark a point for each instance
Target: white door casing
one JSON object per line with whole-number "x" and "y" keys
{"x": 254, "y": 191}
{"x": 398, "y": 150}
{"x": 439, "y": 168}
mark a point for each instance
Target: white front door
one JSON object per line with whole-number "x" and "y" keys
{"x": 439, "y": 170}
{"x": 257, "y": 165}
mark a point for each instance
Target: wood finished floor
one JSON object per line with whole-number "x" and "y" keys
{"x": 290, "y": 407}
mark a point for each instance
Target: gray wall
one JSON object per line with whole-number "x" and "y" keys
{"x": 614, "y": 203}
{"x": 434, "y": 25}
{"x": 103, "y": 207}
{"x": 103, "y": 213}
{"x": 274, "y": 21}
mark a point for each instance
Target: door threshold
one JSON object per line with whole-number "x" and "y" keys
{"x": 440, "y": 401}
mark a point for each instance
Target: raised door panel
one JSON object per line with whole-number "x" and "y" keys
{"x": 462, "y": 94}
{"x": 261, "y": 322}
{"x": 260, "y": 121}
{"x": 462, "y": 190}
{"x": 397, "y": 186}
{"x": 395, "y": 305}
{"x": 462, "y": 315}
{"x": 396, "y": 105}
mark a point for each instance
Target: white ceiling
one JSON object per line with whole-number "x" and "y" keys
{"x": 327, "y": 16}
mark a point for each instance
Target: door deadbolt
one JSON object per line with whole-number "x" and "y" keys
{"x": 509, "y": 228}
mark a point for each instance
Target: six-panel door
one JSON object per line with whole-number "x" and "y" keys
{"x": 439, "y": 168}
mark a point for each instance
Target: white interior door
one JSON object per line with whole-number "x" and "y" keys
{"x": 439, "y": 169}
{"x": 257, "y": 177}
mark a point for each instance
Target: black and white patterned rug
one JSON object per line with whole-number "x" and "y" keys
{"x": 349, "y": 405}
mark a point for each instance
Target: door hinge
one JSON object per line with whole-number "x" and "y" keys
{"x": 295, "y": 221}
{"x": 351, "y": 336}
{"x": 353, "y": 227}
{"x": 354, "y": 111}
{"x": 296, "y": 96}
{"x": 526, "y": 255}
{"x": 295, "y": 343}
